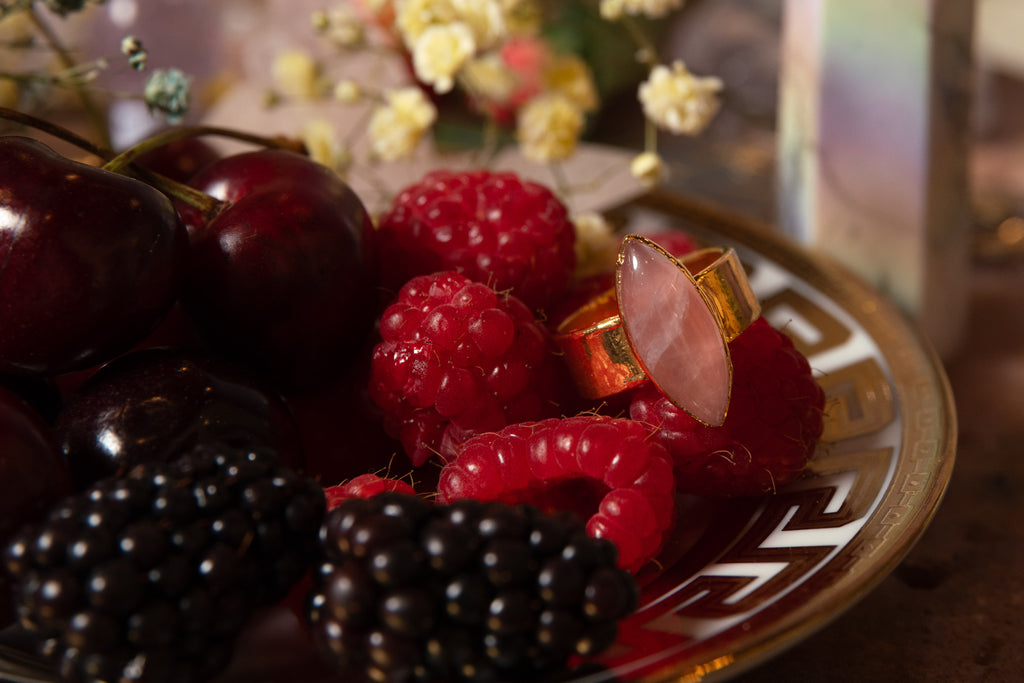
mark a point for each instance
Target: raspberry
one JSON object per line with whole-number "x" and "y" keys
{"x": 456, "y": 359}
{"x": 773, "y": 425}
{"x": 608, "y": 470}
{"x": 494, "y": 228}
{"x": 470, "y": 591}
{"x": 365, "y": 486}
{"x": 151, "y": 576}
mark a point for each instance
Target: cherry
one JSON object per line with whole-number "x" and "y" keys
{"x": 41, "y": 393}
{"x": 153, "y": 404}
{"x": 283, "y": 277}
{"x": 180, "y": 159}
{"x": 33, "y": 475}
{"x": 91, "y": 260}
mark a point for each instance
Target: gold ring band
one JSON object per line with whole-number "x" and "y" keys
{"x": 600, "y": 345}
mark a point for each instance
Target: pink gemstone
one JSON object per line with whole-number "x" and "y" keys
{"x": 673, "y": 332}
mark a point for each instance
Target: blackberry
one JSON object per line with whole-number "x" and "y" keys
{"x": 150, "y": 576}
{"x": 469, "y": 591}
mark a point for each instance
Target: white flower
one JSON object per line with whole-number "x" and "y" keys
{"x": 570, "y": 75}
{"x": 416, "y": 16}
{"x": 485, "y": 18}
{"x": 440, "y": 52}
{"x": 347, "y": 91}
{"x": 549, "y": 127}
{"x": 396, "y": 129}
{"x": 341, "y": 26}
{"x": 488, "y": 78}
{"x": 678, "y": 101}
{"x": 597, "y": 246}
{"x": 323, "y": 146}
{"x": 614, "y": 9}
{"x": 648, "y": 168}
{"x": 296, "y": 74}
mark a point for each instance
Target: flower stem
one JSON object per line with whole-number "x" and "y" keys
{"x": 92, "y": 109}
{"x": 57, "y": 131}
{"x": 125, "y": 158}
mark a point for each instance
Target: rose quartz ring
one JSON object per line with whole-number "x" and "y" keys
{"x": 667, "y": 320}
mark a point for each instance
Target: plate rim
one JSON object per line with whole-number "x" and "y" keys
{"x": 899, "y": 340}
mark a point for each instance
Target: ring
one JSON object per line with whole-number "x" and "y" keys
{"x": 666, "y": 320}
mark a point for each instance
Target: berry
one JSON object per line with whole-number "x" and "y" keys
{"x": 153, "y": 574}
{"x": 608, "y": 470}
{"x": 494, "y": 228}
{"x": 89, "y": 270}
{"x": 154, "y": 404}
{"x": 365, "y": 486}
{"x": 470, "y": 591}
{"x": 33, "y": 476}
{"x": 457, "y": 359}
{"x": 773, "y": 425}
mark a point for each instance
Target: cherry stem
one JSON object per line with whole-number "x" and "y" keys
{"x": 57, "y": 131}
{"x": 170, "y": 135}
{"x": 200, "y": 200}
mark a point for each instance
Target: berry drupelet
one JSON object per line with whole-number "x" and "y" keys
{"x": 150, "y": 576}
{"x": 469, "y": 591}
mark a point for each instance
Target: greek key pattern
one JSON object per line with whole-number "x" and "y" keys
{"x": 742, "y": 569}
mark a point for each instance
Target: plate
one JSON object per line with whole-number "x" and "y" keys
{"x": 742, "y": 580}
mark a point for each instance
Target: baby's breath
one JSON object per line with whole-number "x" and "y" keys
{"x": 397, "y": 127}
{"x": 500, "y": 56}
{"x": 549, "y": 128}
{"x": 678, "y": 101}
{"x": 167, "y": 91}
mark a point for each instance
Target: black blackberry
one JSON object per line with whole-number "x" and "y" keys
{"x": 150, "y": 576}
{"x": 469, "y": 591}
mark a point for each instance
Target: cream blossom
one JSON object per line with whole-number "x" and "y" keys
{"x": 614, "y": 9}
{"x": 570, "y": 75}
{"x": 485, "y": 18}
{"x": 648, "y": 168}
{"x": 597, "y": 246}
{"x": 396, "y": 128}
{"x": 678, "y": 101}
{"x": 548, "y": 128}
{"x": 488, "y": 77}
{"x": 340, "y": 25}
{"x": 413, "y": 17}
{"x": 347, "y": 91}
{"x": 439, "y": 53}
{"x": 296, "y": 74}
{"x": 321, "y": 141}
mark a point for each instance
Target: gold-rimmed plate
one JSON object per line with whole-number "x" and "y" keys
{"x": 742, "y": 580}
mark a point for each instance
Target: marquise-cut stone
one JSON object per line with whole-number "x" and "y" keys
{"x": 673, "y": 332}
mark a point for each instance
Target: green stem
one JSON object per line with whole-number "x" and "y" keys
{"x": 170, "y": 135}
{"x": 92, "y": 110}
{"x": 647, "y": 51}
{"x": 209, "y": 206}
{"x": 57, "y": 131}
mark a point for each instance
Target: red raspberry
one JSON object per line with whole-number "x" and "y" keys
{"x": 364, "y": 486}
{"x": 457, "y": 359}
{"x": 494, "y": 228}
{"x": 606, "y": 469}
{"x": 774, "y": 421}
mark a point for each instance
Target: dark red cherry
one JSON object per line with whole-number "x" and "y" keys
{"x": 153, "y": 404}
{"x": 91, "y": 260}
{"x": 33, "y": 476}
{"x": 179, "y": 160}
{"x": 283, "y": 278}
